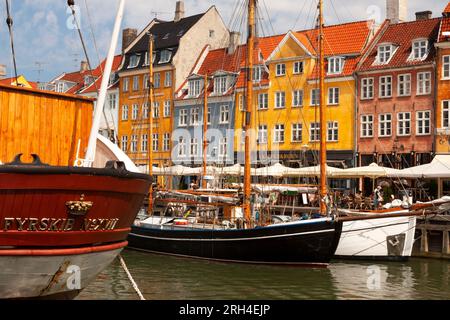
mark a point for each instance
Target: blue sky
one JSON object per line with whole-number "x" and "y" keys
{"x": 43, "y": 40}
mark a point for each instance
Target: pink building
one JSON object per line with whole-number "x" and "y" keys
{"x": 396, "y": 94}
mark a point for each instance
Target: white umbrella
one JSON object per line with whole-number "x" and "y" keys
{"x": 373, "y": 171}
{"x": 438, "y": 168}
{"x": 313, "y": 171}
{"x": 276, "y": 170}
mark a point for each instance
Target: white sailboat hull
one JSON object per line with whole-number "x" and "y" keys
{"x": 390, "y": 238}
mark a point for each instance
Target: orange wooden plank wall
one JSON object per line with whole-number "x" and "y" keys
{"x": 47, "y": 124}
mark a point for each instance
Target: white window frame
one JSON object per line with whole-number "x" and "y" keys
{"x": 145, "y": 110}
{"x": 183, "y": 119}
{"x": 263, "y": 101}
{"x": 332, "y": 131}
{"x": 262, "y": 134}
{"x": 195, "y": 117}
{"x": 134, "y": 143}
{"x": 404, "y": 124}
{"x": 333, "y": 96}
{"x": 157, "y": 80}
{"x": 155, "y": 110}
{"x": 314, "y": 132}
{"x": 297, "y": 132}
{"x": 125, "y": 111}
{"x": 421, "y": 121}
{"x": 298, "y": 67}
{"x": 445, "y": 114}
{"x": 382, "y": 120}
{"x": 280, "y": 100}
{"x": 168, "y": 79}
{"x": 124, "y": 143}
{"x": 404, "y": 84}
{"x": 367, "y": 88}
{"x": 167, "y": 107}
{"x": 126, "y": 84}
{"x": 223, "y": 147}
{"x": 278, "y": 134}
{"x": 418, "y": 46}
{"x": 367, "y": 125}
{"x": 335, "y": 65}
{"x": 134, "y": 111}
{"x": 193, "y": 149}
{"x": 385, "y": 53}
{"x": 257, "y": 73}
{"x": 224, "y": 114}
{"x": 220, "y": 84}
{"x": 385, "y": 84}
{"x": 144, "y": 143}
{"x": 424, "y": 83}
{"x": 165, "y": 56}
{"x": 166, "y": 142}
{"x": 194, "y": 87}
{"x": 315, "y": 94}
{"x": 134, "y": 61}
{"x": 280, "y": 69}
{"x": 297, "y": 98}
{"x": 446, "y": 67}
{"x": 136, "y": 80}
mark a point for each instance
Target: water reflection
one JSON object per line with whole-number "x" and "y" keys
{"x": 166, "y": 278}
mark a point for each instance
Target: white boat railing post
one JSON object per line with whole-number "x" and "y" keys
{"x": 90, "y": 153}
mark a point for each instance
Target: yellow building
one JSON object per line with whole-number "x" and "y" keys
{"x": 288, "y": 124}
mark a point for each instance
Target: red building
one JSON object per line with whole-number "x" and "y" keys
{"x": 396, "y": 94}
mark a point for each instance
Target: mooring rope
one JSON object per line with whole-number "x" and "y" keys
{"x": 133, "y": 283}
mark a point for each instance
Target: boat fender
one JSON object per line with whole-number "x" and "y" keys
{"x": 115, "y": 165}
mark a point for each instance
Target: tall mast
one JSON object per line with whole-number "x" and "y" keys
{"x": 90, "y": 153}
{"x": 323, "y": 127}
{"x": 150, "y": 117}
{"x": 205, "y": 128}
{"x": 249, "y": 104}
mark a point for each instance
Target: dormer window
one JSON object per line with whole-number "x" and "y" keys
{"x": 335, "y": 65}
{"x": 257, "y": 73}
{"x": 88, "y": 80}
{"x": 220, "y": 84}
{"x": 146, "y": 62}
{"x": 112, "y": 78}
{"x": 385, "y": 53}
{"x": 134, "y": 61}
{"x": 165, "y": 56}
{"x": 194, "y": 87}
{"x": 419, "y": 49}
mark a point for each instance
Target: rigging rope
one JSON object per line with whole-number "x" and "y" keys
{"x": 9, "y": 22}
{"x": 133, "y": 283}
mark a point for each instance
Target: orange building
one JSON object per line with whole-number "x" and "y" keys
{"x": 443, "y": 85}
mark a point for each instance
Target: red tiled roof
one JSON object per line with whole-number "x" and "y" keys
{"x": 447, "y": 9}
{"x": 402, "y": 35}
{"x": 445, "y": 27}
{"x": 94, "y": 87}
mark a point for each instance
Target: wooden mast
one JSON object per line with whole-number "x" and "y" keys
{"x": 205, "y": 128}
{"x": 323, "y": 127}
{"x": 150, "y": 116}
{"x": 248, "y": 114}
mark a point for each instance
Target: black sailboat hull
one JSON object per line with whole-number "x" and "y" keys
{"x": 313, "y": 242}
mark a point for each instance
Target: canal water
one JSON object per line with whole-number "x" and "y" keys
{"x": 170, "y": 278}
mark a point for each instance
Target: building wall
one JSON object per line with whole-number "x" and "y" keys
{"x": 411, "y": 144}
{"x": 443, "y": 94}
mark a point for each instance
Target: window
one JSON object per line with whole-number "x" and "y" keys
{"x": 167, "y": 106}
{"x": 144, "y": 143}
{"x": 145, "y": 110}
{"x": 88, "y": 80}
{"x": 367, "y": 88}
{"x": 333, "y": 131}
{"x": 168, "y": 79}
{"x": 155, "y": 110}
{"x": 181, "y": 147}
{"x": 136, "y": 83}
{"x": 446, "y": 67}
{"x": 209, "y": 116}
{"x": 367, "y": 126}
{"x": 335, "y": 65}
{"x": 297, "y": 132}
{"x": 262, "y": 134}
{"x": 223, "y": 146}
{"x": 224, "y": 114}
{"x": 124, "y": 143}
{"x": 297, "y": 98}
{"x": 333, "y": 96}
{"x": 195, "y": 116}
{"x": 220, "y": 85}
{"x": 298, "y": 67}
{"x": 385, "y": 125}
{"x": 155, "y": 142}
{"x": 404, "y": 124}
{"x": 263, "y": 101}
{"x": 165, "y": 56}
{"x": 112, "y": 101}
{"x": 278, "y": 136}
{"x": 404, "y": 85}
{"x": 60, "y": 87}
{"x": 124, "y": 112}
{"x": 280, "y": 99}
{"x": 134, "y": 61}
{"x": 146, "y": 81}
{"x": 194, "y": 147}
{"x": 423, "y": 83}
{"x": 315, "y": 97}
{"x": 241, "y": 102}
{"x": 384, "y": 54}
{"x": 194, "y": 88}
{"x": 423, "y": 126}
{"x": 166, "y": 142}
{"x": 314, "y": 132}
{"x": 134, "y": 143}
{"x": 419, "y": 49}
{"x": 280, "y": 69}
{"x": 125, "y": 84}
{"x": 257, "y": 73}
{"x": 386, "y": 87}
{"x": 156, "y": 80}
{"x": 183, "y": 118}
{"x": 445, "y": 114}
{"x": 146, "y": 60}
{"x": 135, "y": 112}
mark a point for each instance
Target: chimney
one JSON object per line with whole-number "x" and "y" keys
{"x": 234, "y": 42}
{"x": 397, "y": 11}
{"x": 128, "y": 36}
{"x": 2, "y": 71}
{"x": 423, "y": 15}
{"x": 179, "y": 11}
{"x": 84, "y": 66}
